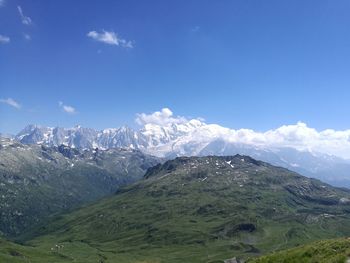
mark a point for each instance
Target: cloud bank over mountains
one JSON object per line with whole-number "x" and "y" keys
{"x": 162, "y": 133}
{"x": 298, "y": 136}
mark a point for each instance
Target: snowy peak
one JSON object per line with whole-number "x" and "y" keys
{"x": 159, "y": 134}
{"x": 121, "y": 137}
{"x": 33, "y": 134}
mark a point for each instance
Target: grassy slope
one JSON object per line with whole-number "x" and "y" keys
{"x": 37, "y": 182}
{"x": 202, "y": 210}
{"x": 325, "y": 251}
{"x": 15, "y": 253}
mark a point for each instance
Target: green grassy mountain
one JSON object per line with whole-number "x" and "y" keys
{"x": 201, "y": 209}
{"x": 16, "y": 253}
{"x": 38, "y": 181}
{"x": 325, "y": 251}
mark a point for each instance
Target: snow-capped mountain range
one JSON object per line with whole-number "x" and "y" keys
{"x": 158, "y": 140}
{"x": 192, "y": 138}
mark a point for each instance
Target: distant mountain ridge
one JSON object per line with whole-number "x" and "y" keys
{"x": 190, "y": 138}
{"x": 151, "y": 137}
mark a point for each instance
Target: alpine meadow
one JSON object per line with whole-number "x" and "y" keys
{"x": 174, "y": 131}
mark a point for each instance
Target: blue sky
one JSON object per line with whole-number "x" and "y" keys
{"x": 241, "y": 64}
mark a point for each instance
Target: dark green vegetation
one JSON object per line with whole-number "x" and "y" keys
{"x": 325, "y": 251}
{"x": 15, "y": 253}
{"x": 38, "y": 181}
{"x": 204, "y": 209}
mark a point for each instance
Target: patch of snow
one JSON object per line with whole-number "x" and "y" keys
{"x": 229, "y": 163}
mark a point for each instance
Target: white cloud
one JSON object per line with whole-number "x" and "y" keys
{"x": 163, "y": 117}
{"x": 110, "y": 38}
{"x": 66, "y": 108}
{"x": 302, "y": 137}
{"x": 11, "y": 102}
{"x": 2, "y": 3}
{"x": 27, "y": 36}
{"x": 298, "y": 136}
{"x": 4, "y": 39}
{"x": 26, "y": 20}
